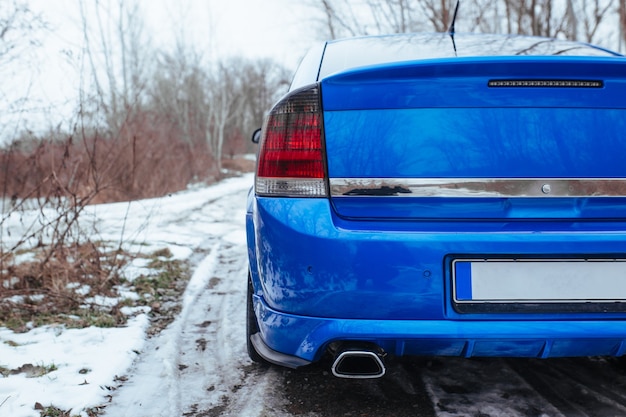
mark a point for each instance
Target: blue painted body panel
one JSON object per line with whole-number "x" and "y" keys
{"x": 477, "y": 143}
{"x": 379, "y": 268}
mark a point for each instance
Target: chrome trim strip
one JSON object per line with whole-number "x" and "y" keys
{"x": 479, "y": 187}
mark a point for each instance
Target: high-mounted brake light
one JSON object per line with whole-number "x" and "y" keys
{"x": 547, "y": 83}
{"x": 291, "y": 158}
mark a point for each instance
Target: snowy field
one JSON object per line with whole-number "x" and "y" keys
{"x": 200, "y": 225}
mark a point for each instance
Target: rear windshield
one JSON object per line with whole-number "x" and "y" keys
{"x": 359, "y": 52}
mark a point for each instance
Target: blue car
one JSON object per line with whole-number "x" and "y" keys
{"x": 429, "y": 194}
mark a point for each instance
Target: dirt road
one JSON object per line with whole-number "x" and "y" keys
{"x": 198, "y": 366}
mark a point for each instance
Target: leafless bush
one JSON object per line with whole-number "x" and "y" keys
{"x": 48, "y": 183}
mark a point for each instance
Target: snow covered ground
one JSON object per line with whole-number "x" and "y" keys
{"x": 81, "y": 367}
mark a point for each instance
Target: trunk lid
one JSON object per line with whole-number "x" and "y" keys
{"x": 484, "y": 138}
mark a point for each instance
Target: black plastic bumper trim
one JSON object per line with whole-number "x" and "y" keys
{"x": 274, "y": 357}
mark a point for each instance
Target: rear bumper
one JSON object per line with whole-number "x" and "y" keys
{"x": 319, "y": 279}
{"x": 307, "y": 261}
{"x": 297, "y": 340}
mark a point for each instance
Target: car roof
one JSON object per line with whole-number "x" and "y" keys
{"x": 343, "y": 54}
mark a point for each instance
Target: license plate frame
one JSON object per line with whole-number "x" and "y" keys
{"x": 496, "y": 284}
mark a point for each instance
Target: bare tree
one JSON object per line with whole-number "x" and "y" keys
{"x": 368, "y": 17}
{"x": 118, "y": 56}
{"x": 592, "y": 15}
{"x": 225, "y": 104}
{"x": 263, "y": 82}
{"x": 338, "y": 19}
{"x": 439, "y": 13}
{"x": 178, "y": 92}
{"x": 19, "y": 31}
{"x": 622, "y": 23}
{"x": 585, "y": 20}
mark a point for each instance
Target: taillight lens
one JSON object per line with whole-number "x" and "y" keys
{"x": 291, "y": 158}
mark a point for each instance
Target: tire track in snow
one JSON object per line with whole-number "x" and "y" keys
{"x": 234, "y": 385}
{"x": 198, "y": 365}
{"x": 158, "y": 386}
{"x": 184, "y": 332}
{"x": 212, "y": 345}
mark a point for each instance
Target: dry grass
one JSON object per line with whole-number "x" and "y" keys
{"x": 83, "y": 289}
{"x": 146, "y": 159}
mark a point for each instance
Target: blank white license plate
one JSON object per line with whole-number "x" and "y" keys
{"x": 523, "y": 281}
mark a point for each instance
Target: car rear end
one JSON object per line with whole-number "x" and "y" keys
{"x": 465, "y": 206}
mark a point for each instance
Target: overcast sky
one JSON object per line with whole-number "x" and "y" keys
{"x": 278, "y": 29}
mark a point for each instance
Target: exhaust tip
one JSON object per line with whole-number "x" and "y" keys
{"x": 358, "y": 364}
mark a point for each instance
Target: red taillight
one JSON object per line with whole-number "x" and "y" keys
{"x": 291, "y": 158}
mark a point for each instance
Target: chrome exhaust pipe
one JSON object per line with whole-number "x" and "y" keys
{"x": 359, "y": 363}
